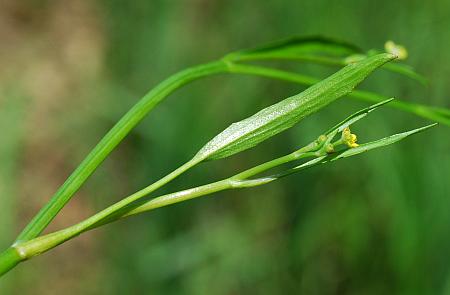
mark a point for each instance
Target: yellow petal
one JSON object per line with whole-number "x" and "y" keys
{"x": 396, "y": 49}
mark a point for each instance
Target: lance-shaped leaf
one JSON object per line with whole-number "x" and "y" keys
{"x": 284, "y": 114}
{"x": 296, "y": 48}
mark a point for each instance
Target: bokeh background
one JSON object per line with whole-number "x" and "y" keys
{"x": 374, "y": 224}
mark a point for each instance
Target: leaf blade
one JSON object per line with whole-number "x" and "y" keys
{"x": 295, "y": 48}
{"x": 379, "y": 143}
{"x": 276, "y": 118}
{"x": 357, "y": 116}
{"x": 352, "y": 151}
{"x": 438, "y": 114}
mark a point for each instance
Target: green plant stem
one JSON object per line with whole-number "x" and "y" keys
{"x": 199, "y": 191}
{"x": 44, "y": 243}
{"x": 133, "y": 117}
{"x": 240, "y": 180}
{"x": 325, "y": 60}
{"x": 41, "y": 244}
{"x": 440, "y": 115}
{"x": 229, "y": 183}
{"x": 8, "y": 260}
{"x": 318, "y": 149}
{"x": 305, "y": 152}
{"x": 313, "y": 58}
{"x": 150, "y": 100}
{"x": 110, "y": 141}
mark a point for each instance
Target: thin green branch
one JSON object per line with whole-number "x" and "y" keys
{"x": 8, "y": 260}
{"x": 44, "y": 243}
{"x": 49, "y": 241}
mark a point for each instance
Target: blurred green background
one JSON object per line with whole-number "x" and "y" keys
{"x": 374, "y": 224}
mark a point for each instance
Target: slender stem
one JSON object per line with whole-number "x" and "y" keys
{"x": 149, "y": 101}
{"x": 22, "y": 249}
{"x": 110, "y": 141}
{"x": 41, "y": 244}
{"x": 327, "y": 60}
{"x": 271, "y": 73}
{"x": 44, "y": 243}
{"x": 182, "y": 196}
{"x": 239, "y": 180}
{"x": 8, "y": 260}
{"x": 300, "y": 154}
{"x": 313, "y": 58}
{"x": 196, "y": 192}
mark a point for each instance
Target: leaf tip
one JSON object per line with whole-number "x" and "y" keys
{"x": 377, "y": 105}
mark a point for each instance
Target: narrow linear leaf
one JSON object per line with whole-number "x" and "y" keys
{"x": 320, "y": 50}
{"x": 377, "y": 144}
{"x": 286, "y": 113}
{"x": 294, "y": 48}
{"x": 357, "y": 116}
{"x": 406, "y": 70}
{"x": 352, "y": 151}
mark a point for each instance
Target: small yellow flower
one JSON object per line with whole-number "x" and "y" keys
{"x": 396, "y": 49}
{"x": 348, "y": 138}
{"x": 329, "y": 148}
{"x": 321, "y": 139}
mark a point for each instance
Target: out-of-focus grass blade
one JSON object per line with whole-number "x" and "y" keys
{"x": 442, "y": 111}
{"x": 438, "y": 114}
{"x": 284, "y": 114}
{"x": 401, "y": 68}
{"x": 13, "y": 104}
{"x": 321, "y": 50}
{"x": 314, "y": 47}
{"x": 406, "y": 70}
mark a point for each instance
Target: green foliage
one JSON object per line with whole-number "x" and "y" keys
{"x": 238, "y": 137}
{"x": 317, "y": 49}
{"x": 283, "y": 115}
{"x": 316, "y": 149}
{"x": 356, "y": 150}
{"x": 441, "y": 115}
